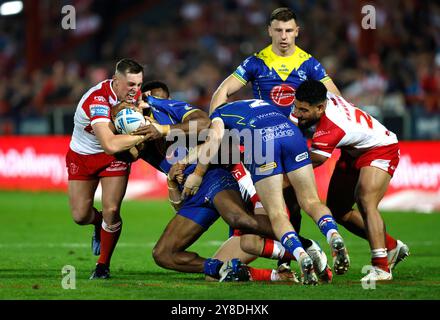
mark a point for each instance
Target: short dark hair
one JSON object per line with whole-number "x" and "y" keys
{"x": 282, "y": 14}
{"x": 155, "y": 84}
{"x": 125, "y": 66}
{"x": 311, "y": 91}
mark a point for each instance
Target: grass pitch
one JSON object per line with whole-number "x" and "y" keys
{"x": 38, "y": 238}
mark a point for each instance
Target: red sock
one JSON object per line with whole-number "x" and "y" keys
{"x": 275, "y": 250}
{"x": 390, "y": 242}
{"x": 260, "y": 274}
{"x": 108, "y": 244}
{"x": 381, "y": 263}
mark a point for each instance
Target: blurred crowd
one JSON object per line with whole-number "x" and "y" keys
{"x": 197, "y": 44}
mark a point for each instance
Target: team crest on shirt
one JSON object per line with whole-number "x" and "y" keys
{"x": 283, "y": 95}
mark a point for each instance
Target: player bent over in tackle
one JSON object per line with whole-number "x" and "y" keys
{"x": 219, "y": 196}
{"x": 90, "y": 160}
{"x": 369, "y": 157}
{"x": 283, "y": 144}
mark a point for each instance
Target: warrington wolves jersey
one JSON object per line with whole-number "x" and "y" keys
{"x": 275, "y": 78}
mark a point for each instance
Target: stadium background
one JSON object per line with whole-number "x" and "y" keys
{"x": 393, "y": 72}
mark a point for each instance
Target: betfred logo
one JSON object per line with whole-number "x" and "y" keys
{"x": 283, "y": 95}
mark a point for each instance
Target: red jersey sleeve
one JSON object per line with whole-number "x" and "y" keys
{"x": 97, "y": 109}
{"x": 326, "y": 137}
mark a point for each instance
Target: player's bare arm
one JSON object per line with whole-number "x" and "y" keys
{"x": 330, "y": 85}
{"x": 207, "y": 152}
{"x": 111, "y": 142}
{"x": 226, "y": 89}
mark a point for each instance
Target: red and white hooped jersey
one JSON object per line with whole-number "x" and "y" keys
{"x": 346, "y": 127}
{"x": 93, "y": 107}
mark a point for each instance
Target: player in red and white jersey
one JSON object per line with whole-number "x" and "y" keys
{"x": 369, "y": 157}
{"x": 90, "y": 160}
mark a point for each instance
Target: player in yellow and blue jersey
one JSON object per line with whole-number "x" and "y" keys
{"x": 275, "y": 72}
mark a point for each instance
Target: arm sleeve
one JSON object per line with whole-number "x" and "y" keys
{"x": 98, "y": 111}
{"x": 325, "y": 140}
{"x": 245, "y": 71}
{"x": 316, "y": 71}
{"x": 178, "y": 110}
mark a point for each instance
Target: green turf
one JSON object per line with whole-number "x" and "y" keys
{"x": 38, "y": 238}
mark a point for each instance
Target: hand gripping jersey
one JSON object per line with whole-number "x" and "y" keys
{"x": 93, "y": 107}
{"x": 346, "y": 127}
{"x": 275, "y": 78}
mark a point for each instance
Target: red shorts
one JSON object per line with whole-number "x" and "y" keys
{"x": 94, "y": 166}
{"x": 385, "y": 158}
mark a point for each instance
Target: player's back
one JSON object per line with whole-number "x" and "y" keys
{"x": 249, "y": 114}
{"x": 347, "y": 127}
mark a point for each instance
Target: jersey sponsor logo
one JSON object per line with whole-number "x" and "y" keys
{"x": 240, "y": 71}
{"x": 320, "y": 133}
{"x": 99, "y": 98}
{"x": 267, "y": 166}
{"x": 188, "y": 107}
{"x": 98, "y": 110}
{"x": 283, "y": 95}
{"x": 302, "y": 156}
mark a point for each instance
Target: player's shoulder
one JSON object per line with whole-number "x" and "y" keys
{"x": 100, "y": 93}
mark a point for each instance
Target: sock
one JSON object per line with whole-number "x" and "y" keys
{"x": 379, "y": 259}
{"x": 260, "y": 274}
{"x": 328, "y": 226}
{"x": 211, "y": 267}
{"x": 97, "y": 220}
{"x": 274, "y": 250}
{"x": 292, "y": 244}
{"x": 390, "y": 242}
{"x": 109, "y": 238}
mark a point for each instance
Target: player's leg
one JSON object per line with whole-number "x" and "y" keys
{"x": 270, "y": 192}
{"x": 232, "y": 209}
{"x": 113, "y": 192}
{"x": 170, "y": 250}
{"x": 303, "y": 181}
{"x": 340, "y": 200}
{"x": 370, "y": 189}
{"x": 81, "y": 195}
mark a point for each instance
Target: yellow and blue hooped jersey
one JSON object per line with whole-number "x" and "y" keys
{"x": 275, "y": 78}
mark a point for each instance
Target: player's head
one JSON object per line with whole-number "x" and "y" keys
{"x": 310, "y": 102}
{"x": 158, "y": 89}
{"x": 127, "y": 79}
{"x": 283, "y": 30}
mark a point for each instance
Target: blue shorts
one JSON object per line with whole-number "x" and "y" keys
{"x": 199, "y": 207}
{"x": 284, "y": 151}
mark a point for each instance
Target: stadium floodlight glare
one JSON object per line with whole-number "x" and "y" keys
{"x": 11, "y": 7}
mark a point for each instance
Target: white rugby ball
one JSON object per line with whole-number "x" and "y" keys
{"x": 128, "y": 120}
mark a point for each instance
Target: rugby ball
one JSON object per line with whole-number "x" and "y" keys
{"x": 127, "y": 121}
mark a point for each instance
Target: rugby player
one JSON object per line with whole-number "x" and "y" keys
{"x": 275, "y": 72}
{"x": 283, "y": 143}
{"x": 369, "y": 157}
{"x": 90, "y": 160}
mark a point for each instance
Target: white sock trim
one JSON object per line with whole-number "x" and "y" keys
{"x": 111, "y": 228}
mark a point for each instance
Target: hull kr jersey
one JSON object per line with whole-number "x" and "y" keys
{"x": 346, "y": 127}
{"x": 275, "y": 78}
{"x": 93, "y": 107}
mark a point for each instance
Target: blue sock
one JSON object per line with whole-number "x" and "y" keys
{"x": 327, "y": 224}
{"x": 211, "y": 267}
{"x": 291, "y": 242}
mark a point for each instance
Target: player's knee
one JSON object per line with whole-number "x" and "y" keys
{"x": 111, "y": 211}
{"x": 81, "y": 217}
{"x": 365, "y": 201}
{"x": 248, "y": 243}
{"x": 162, "y": 257}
